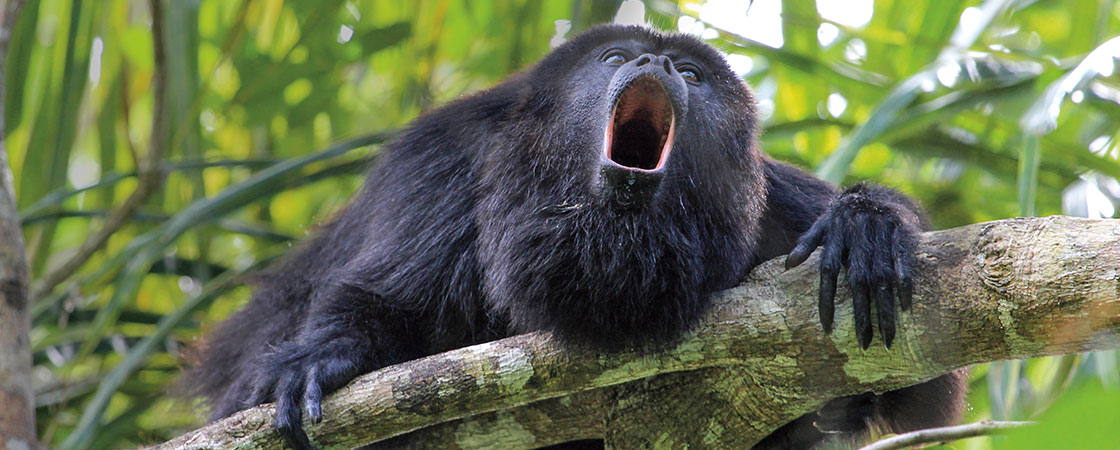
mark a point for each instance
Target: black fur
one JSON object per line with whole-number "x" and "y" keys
{"x": 499, "y": 214}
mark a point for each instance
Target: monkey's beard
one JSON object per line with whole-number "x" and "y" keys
{"x": 593, "y": 274}
{"x": 597, "y": 280}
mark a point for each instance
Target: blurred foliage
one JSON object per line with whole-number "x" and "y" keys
{"x": 981, "y": 110}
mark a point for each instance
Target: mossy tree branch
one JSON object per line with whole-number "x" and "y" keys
{"x": 1010, "y": 289}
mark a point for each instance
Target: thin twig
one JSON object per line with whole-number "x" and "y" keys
{"x": 946, "y": 434}
{"x": 150, "y": 173}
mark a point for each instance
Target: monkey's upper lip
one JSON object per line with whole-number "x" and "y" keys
{"x": 640, "y": 133}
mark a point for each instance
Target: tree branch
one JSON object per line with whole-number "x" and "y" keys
{"x": 945, "y": 434}
{"x": 17, "y": 416}
{"x": 1010, "y": 289}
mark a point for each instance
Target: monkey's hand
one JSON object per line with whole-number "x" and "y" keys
{"x": 872, "y": 231}
{"x": 300, "y": 373}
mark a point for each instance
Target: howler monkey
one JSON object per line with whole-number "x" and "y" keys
{"x": 604, "y": 194}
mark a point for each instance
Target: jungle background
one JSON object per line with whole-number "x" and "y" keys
{"x": 164, "y": 149}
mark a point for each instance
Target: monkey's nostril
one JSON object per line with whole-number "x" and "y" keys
{"x": 643, "y": 60}
{"x": 667, "y": 64}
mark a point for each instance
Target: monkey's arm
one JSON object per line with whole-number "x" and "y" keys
{"x": 350, "y": 332}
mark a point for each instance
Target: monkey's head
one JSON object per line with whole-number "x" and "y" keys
{"x": 630, "y": 187}
{"x": 629, "y": 108}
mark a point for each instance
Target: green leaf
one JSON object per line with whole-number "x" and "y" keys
{"x": 17, "y": 67}
{"x": 836, "y": 167}
{"x": 377, "y": 39}
{"x": 145, "y": 250}
{"x": 91, "y": 416}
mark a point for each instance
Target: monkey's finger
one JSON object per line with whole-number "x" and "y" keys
{"x": 288, "y": 415}
{"x": 883, "y": 277}
{"x": 884, "y": 300}
{"x": 826, "y": 302}
{"x": 313, "y": 396}
{"x": 859, "y": 278}
{"x": 902, "y": 248}
{"x": 830, "y": 268}
{"x": 328, "y": 375}
{"x": 861, "y": 307}
{"x": 808, "y": 242}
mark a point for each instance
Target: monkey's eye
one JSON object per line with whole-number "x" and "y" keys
{"x": 690, "y": 75}
{"x": 615, "y": 58}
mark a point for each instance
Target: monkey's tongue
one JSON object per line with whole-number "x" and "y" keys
{"x": 640, "y": 134}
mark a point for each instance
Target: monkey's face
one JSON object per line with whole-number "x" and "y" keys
{"x": 645, "y": 95}
{"x": 648, "y": 117}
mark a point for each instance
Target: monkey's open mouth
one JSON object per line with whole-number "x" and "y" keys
{"x": 640, "y": 134}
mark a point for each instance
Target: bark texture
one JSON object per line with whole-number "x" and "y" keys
{"x": 17, "y": 412}
{"x": 1010, "y": 289}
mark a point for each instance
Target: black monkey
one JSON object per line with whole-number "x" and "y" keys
{"x": 603, "y": 194}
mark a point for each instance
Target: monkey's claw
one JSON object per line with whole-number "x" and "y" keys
{"x": 876, "y": 244}
{"x": 303, "y": 374}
